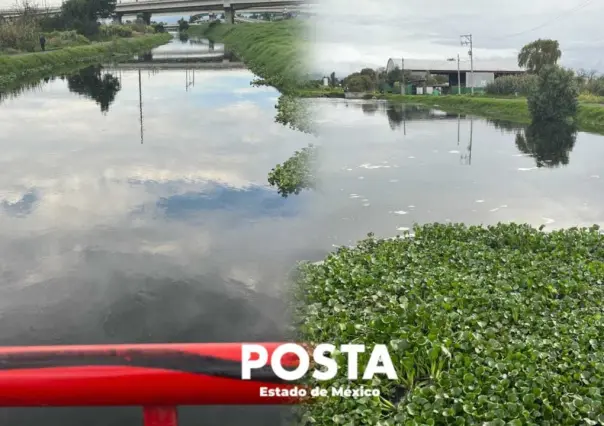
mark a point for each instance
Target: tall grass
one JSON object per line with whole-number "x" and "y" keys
{"x": 19, "y": 34}
{"x": 276, "y": 51}
{"x": 14, "y": 68}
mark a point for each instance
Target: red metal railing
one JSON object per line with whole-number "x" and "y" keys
{"x": 158, "y": 377}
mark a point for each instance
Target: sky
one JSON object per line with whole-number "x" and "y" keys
{"x": 352, "y": 34}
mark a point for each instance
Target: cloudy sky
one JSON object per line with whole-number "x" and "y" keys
{"x": 354, "y": 33}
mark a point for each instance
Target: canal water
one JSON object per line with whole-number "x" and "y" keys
{"x": 134, "y": 206}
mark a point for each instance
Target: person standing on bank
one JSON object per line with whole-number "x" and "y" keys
{"x": 42, "y": 42}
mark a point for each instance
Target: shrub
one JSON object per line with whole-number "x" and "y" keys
{"x": 358, "y": 83}
{"x": 512, "y": 84}
{"x": 59, "y": 39}
{"x": 140, "y": 27}
{"x": 158, "y": 27}
{"x": 555, "y": 97}
{"x": 20, "y": 34}
{"x": 485, "y": 326}
{"x": 114, "y": 30}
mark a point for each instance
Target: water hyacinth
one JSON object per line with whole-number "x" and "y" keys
{"x": 486, "y": 325}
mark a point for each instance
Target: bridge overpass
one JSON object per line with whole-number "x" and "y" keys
{"x": 169, "y": 7}
{"x": 160, "y": 65}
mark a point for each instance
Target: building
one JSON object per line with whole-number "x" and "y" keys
{"x": 485, "y": 71}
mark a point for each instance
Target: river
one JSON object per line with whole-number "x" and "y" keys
{"x": 134, "y": 205}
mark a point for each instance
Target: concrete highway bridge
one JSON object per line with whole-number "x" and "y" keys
{"x": 170, "y": 7}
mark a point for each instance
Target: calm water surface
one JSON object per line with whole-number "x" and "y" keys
{"x": 142, "y": 213}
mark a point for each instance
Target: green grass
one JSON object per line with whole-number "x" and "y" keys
{"x": 590, "y": 117}
{"x": 486, "y": 326}
{"x": 25, "y": 67}
{"x": 276, "y": 52}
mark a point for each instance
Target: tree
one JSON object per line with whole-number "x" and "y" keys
{"x": 369, "y": 73}
{"x": 555, "y": 96}
{"x": 536, "y": 55}
{"x": 159, "y": 27}
{"x": 358, "y": 83}
{"x": 333, "y": 81}
{"x": 83, "y": 15}
{"x": 182, "y": 25}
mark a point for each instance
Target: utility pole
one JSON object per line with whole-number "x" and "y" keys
{"x": 403, "y": 88}
{"x": 466, "y": 40}
{"x": 458, "y": 74}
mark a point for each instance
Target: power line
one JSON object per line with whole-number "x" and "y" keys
{"x": 562, "y": 14}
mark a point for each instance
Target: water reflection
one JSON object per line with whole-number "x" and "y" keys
{"x": 182, "y": 239}
{"x": 550, "y": 144}
{"x": 104, "y": 240}
{"x": 184, "y": 37}
{"x": 95, "y": 84}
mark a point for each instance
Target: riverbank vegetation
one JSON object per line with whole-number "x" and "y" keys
{"x": 275, "y": 51}
{"x": 16, "y": 68}
{"x": 497, "y": 325}
{"x": 506, "y": 98}
{"x": 77, "y": 24}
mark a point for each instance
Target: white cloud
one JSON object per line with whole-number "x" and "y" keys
{"x": 356, "y": 33}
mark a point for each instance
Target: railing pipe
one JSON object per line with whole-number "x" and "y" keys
{"x": 158, "y": 377}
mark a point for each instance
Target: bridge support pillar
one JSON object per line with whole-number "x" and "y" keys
{"x": 118, "y": 18}
{"x": 146, "y": 18}
{"x": 229, "y": 14}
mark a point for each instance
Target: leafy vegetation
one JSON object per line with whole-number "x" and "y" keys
{"x": 539, "y": 54}
{"x": 275, "y": 51}
{"x": 183, "y": 25}
{"x": 21, "y": 33}
{"x": 555, "y": 97}
{"x": 295, "y": 174}
{"x": 512, "y": 85}
{"x": 500, "y": 325}
{"x": 14, "y": 68}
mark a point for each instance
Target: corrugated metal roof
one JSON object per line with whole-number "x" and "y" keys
{"x": 480, "y": 65}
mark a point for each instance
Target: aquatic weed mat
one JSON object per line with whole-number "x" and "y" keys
{"x": 485, "y": 325}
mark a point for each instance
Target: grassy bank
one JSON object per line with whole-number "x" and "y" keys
{"x": 590, "y": 116}
{"x": 275, "y": 51}
{"x": 15, "y": 68}
{"x": 498, "y": 325}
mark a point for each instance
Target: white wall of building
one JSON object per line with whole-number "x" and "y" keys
{"x": 481, "y": 79}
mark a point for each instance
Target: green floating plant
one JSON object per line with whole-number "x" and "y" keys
{"x": 498, "y": 325}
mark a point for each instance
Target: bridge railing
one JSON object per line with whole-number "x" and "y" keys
{"x": 158, "y": 377}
